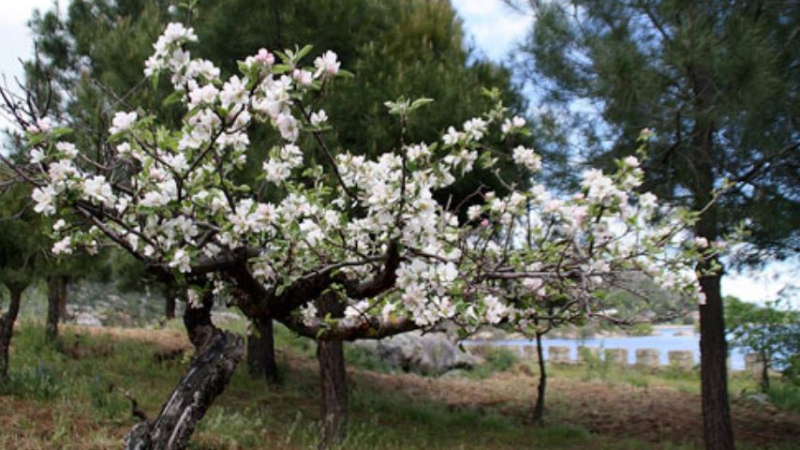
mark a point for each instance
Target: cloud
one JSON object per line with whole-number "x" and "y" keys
{"x": 15, "y": 38}
{"x": 494, "y": 27}
{"x": 765, "y": 284}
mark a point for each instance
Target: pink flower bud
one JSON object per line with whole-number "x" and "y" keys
{"x": 264, "y": 57}
{"x": 485, "y": 223}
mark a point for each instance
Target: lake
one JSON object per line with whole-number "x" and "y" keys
{"x": 664, "y": 339}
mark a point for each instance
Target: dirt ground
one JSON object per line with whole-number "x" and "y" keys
{"x": 650, "y": 414}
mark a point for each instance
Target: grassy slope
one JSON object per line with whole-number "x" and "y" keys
{"x": 73, "y": 398}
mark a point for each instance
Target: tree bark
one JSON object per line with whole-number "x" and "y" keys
{"x": 218, "y": 354}
{"x": 333, "y": 383}
{"x": 63, "y": 286}
{"x": 169, "y": 301}
{"x": 333, "y": 379}
{"x": 7, "y": 330}
{"x": 718, "y": 432}
{"x": 261, "y": 352}
{"x": 717, "y": 424}
{"x": 54, "y": 286}
{"x": 764, "y": 372}
{"x": 538, "y": 409}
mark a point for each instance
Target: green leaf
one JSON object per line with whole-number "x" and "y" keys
{"x": 280, "y": 69}
{"x": 283, "y": 56}
{"x": 303, "y": 52}
{"x": 173, "y": 98}
{"x": 61, "y": 131}
{"x": 154, "y": 80}
{"x": 420, "y": 102}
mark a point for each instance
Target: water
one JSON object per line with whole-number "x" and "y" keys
{"x": 664, "y": 339}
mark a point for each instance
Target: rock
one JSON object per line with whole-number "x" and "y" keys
{"x": 88, "y": 320}
{"x": 617, "y": 356}
{"x": 557, "y": 354}
{"x": 760, "y": 398}
{"x": 431, "y": 353}
{"x": 754, "y": 364}
{"x": 479, "y": 349}
{"x": 681, "y": 359}
{"x": 489, "y": 334}
{"x": 224, "y": 317}
{"x": 530, "y": 353}
{"x": 647, "y": 357}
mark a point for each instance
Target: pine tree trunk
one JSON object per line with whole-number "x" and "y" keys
{"x": 333, "y": 383}
{"x": 7, "y": 330}
{"x": 53, "y": 307}
{"x": 717, "y": 425}
{"x": 538, "y": 410}
{"x": 718, "y": 431}
{"x": 261, "y": 352}
{"x": 218, "y": 354}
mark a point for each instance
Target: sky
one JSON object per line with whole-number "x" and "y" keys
{"x": 15, "y": 40}
{"x": 492, "y": 28}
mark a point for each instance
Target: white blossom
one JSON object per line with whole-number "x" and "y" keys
{"x": 181, "y": 260}
{"x": 527, "y": 158}
{"x": 45, "y": 200}
{"x": 318, "y": 118}
{"x": 42, "y": 125}
{"x": 98, "y": 189}
{"x": 63, "y": 247}
{"x": 122, "y": 121}
{"x": 68, "y": 149}
{"x": 327, "y": 65}
{"x": 37, "y": 156}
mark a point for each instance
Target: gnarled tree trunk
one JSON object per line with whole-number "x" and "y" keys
{"x": 261, "y": 352}
{"x": 7, "y": 329}
{"x": 218, "y": 354}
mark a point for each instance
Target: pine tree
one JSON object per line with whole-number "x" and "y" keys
{"x": 717, "y": 82}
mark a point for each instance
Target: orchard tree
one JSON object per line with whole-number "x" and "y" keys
{"x": 21, "y": 253}
{"x": 717, "y": 82}
{"x": 94, "y": 53}
{"x": 339, "y": 248}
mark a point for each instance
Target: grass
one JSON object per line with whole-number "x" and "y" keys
{"x": 73, "y": 397}
{"x": 784, "y": 396}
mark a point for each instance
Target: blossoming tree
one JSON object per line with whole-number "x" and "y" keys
{"x": 353, "y": 248}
